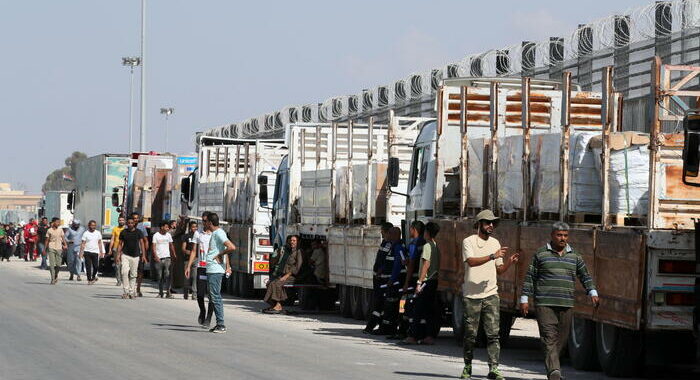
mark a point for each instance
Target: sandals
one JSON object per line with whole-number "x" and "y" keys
{"x": 125, "y": 296}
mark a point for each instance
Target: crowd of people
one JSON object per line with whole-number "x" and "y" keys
{"x": 130, "y": 249}
{"x": 405, "y": 306}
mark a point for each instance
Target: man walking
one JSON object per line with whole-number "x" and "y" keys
{"x": 43, "y": 228}
{"x": 114, "y": 246}
{"x": 163, "y": 252}
{"x": 91, "y": 249}
{"x": 197, "y": 268}
{"x": 144, "y": 253}
{"x": 551, "y": 279}
{"x": 128, "y": 257}
{"x": 218, "y": 264}
{"x": 483, "y": 258}
{"x": 74, "y": 236}
{"x": 55, "y": 242}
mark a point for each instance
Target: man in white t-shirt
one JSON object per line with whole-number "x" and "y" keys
{"x": 163, "y": 251}
{"x": 196, "y": 268}
{"x": 90, "y": 247}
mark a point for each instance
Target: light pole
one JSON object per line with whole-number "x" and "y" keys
{"x": 167, "y": 112}
{"x": 143, "y": 76}
{"x": 131, "y": 62}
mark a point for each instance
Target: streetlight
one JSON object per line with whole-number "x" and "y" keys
{"x": 143, "y": 76}
{"x": 131, "y": 62}
{"x": 167, "y": 112}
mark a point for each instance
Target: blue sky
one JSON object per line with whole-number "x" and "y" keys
{"x": 216, "y": 61}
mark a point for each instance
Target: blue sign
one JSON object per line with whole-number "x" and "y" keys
{"x": 187, "y": 160}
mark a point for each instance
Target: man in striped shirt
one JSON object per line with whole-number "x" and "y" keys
{"x": 551, "y": 280}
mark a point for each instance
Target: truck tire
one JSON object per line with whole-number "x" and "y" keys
{"x": 582, "y": 345}
{"x": 367, "y": 302}
{"x": 327, "y": 298}
{"x": 458, "y": 319}
{"x": 234, "y": 287}
{"x": 505, "y": 324}
{"x": 619, "y": 350}
{"x": 307, "y": 298}
{"x": 246, "y": 285}
{"x": 356, "y": 302}
{"x": 345, "y": 306}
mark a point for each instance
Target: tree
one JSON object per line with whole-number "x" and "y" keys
{"x": 63, "y": 179}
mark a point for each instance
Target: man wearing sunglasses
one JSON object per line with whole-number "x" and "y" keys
{"x": 484, "y": 260}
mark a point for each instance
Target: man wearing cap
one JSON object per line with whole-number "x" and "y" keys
{"x": 550, "y": 280}
{"x": 74, "y": 237}
{"x": 483, "y": 259}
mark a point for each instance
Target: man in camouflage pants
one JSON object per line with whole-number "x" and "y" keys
{"x": 483, "y": 257}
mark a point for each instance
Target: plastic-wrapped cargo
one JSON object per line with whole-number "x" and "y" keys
{"x": 510, "y": 175}
{"x": 477, "y": 173}
{"x": 376, "y": 185}
{"x": 545, "y": 152}
{"x": 586, "y": 190}
{"x": 629, "y": 171}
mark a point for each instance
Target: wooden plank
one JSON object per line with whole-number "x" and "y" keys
{"x": 619, "y": 271}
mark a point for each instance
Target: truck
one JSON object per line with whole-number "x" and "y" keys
{"x": 97, "y": 179}
{"x": 232, "y": 174}
{"x": 326, "y": 164}
{"x": 55, "y": 205}
{"x": 508, "y": 145}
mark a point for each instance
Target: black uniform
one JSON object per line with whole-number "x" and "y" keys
{"x": 415, "y": 251}
{"x": 383, "y": 264}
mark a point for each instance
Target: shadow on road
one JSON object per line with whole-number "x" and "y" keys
{"x": 174, "y": 327}
{"x": 424, "y": 374}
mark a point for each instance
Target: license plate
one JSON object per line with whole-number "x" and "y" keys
{"x": 261, "y": 266}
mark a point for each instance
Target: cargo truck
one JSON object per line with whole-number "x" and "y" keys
{"x": 96, "y": 179}
{"x": 508, "y": 145}
{"x": 228, "y": 181}
{"x": 55, "y": 205}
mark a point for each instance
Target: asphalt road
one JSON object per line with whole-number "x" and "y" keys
{"x": 72, "y": 330}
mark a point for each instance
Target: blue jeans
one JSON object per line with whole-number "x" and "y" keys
{"x": 214, "y": 280}
{"x": 42, "y": 252}
{"x": 74, "y": 263}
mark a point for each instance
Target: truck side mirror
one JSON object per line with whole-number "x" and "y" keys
{"x": 262, "y": 182}
{"x": 71, "y": 200}
{"x": 392, "y": 173}
{"x": 185, "y": 189}
{"x": 115, "y": 197}
{"x": 691, "y": 148}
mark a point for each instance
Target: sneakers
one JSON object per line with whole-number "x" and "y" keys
{"x": 169, "y": 295}
{"x": 207, "y": 323}
{"x": 79, "y": 278}
{"x": 219, "y": 329}
{"x": 200, "y": 319}
{"x": 495, "y": 374}
{"x": 466, "y": 372}
{"x": 554, "y": 375}
{"x": 70, "y": 278}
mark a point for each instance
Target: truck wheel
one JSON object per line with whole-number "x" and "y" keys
{"x": 306, "y": 299}
{"x": 234, "y": 287}
{"x": 458, "y": 319}
{"x": 356, "y": 302}
{"x": 367, "y": 302}
{"x": 326, "y": 299}
{"x": 246, "y": 285}
{"x": 582, "y": 345}
{"x": 619, "y": 350}
{"x": 505, "y": 324}
{"x": 345, "y": 306}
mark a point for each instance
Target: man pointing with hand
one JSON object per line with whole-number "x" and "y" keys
{"x": 484, "y": 261}
{"x": 551, "y": 280}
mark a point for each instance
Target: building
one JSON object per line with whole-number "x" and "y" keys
{"x": 16, "y": 205}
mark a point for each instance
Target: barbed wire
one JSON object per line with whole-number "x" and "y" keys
{"x": 654, "y": 20}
